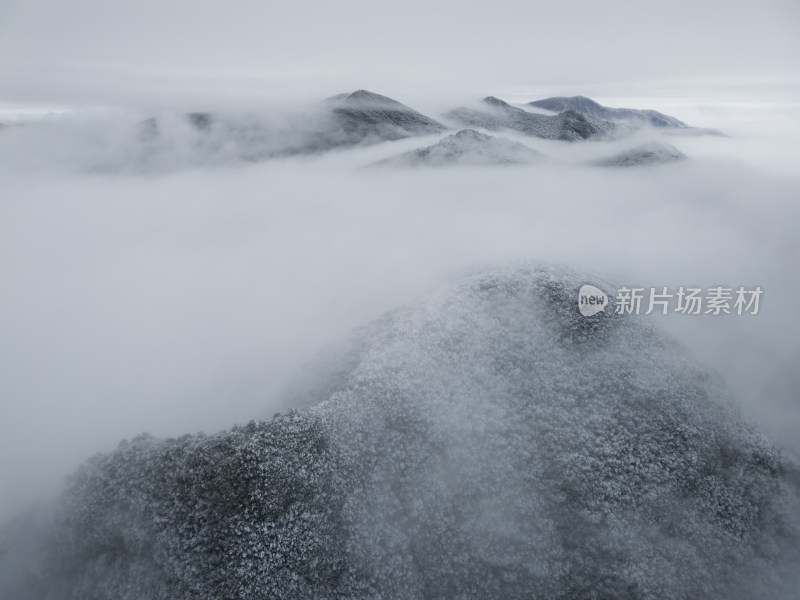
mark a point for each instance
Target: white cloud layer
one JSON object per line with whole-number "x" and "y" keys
{"x": 188, "y": 300}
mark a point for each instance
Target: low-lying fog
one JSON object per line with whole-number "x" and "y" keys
{"x": 186, "y": 300}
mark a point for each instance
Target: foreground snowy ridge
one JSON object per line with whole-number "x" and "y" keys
{"x": 489, "y": 442}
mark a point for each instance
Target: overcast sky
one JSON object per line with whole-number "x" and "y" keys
{"x": 100, "y": 52}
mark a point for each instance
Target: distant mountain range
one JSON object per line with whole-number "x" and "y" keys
{"x": 363, "y": 118}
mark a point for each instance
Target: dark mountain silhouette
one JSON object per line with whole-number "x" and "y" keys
{"x": 490, "y": 442}
{"x": 468, "y": 147}
{"x": 497, "y": 115}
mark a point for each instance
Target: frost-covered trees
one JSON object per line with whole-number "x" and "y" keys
{"x": 488, "y": 443}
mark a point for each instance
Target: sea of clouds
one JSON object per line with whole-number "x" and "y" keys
{"x": 186, "y": 293}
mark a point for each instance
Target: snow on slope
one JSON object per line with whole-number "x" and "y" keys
{"x": 489, "y": 442}
{"x": 468, "y": 147}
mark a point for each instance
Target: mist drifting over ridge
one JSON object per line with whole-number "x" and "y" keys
{"x": 187, "y": 296}
{"x": 374, "y": 220}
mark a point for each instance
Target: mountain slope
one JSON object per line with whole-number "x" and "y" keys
{"x": 366, "y": 115}
{"x": 489, "y": 442}
{"x": 496, "y": 115}
{"x": 468, "y": 147}
{"x": 347, "y": 120}
{"x": 587, "y": 106}
{"x": 650, "y": 153}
